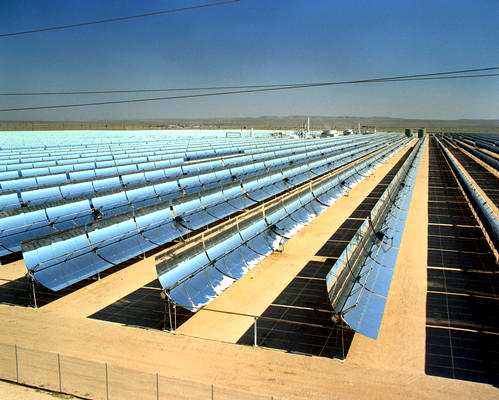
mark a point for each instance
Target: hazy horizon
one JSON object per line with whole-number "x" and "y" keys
{"x": 276, "y": 116}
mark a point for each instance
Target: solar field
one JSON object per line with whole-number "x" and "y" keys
{"x": 306, "y": 246}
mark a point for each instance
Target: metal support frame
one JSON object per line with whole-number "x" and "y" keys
{"x": 174, "y": 317}
{"x": 255, "y": 332}
{"x": 166, "y": 311}
{"x": 33, "y": 290}
{"x": 170, "y": 309}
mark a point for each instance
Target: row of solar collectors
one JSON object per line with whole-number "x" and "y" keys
{"x": 486, "y": 142}
{"x": 81, "y": 169}
{"x": 491, "y": 138}
{"x": 49, "y": 160}
{"x": 57, "y": 261}
{"x": 19, "y": 225}
{"x": 110, "y": 205}
{"x": 123, "y": 246}
{"x": 93, "y": 186}
{"x": 477, "y": 142}
{"x": 30, "y": 141}
{"x": 484, "y": 208}
{"x": 188, "y": 151}
{"x": 165, "y": 141}
{"x": 68, "y": 141}
{"x": 359, "y": 281}
{"x": 180, "y": 145}
{"x": 476, "y": 151}
{"x": 70, "y": 148}
{"x": 46, "y": 140}
{"x": 194, "y": 277}
{"x": 122, "y": 162}
{"x": 136, "y": 179}
{"x": 137, "y": 162}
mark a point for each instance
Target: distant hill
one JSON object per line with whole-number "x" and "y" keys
{"x": 266, "y": 122}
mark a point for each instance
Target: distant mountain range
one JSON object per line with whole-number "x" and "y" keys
{"x": 266, "y": 122}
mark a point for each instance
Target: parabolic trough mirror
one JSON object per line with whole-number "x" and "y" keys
{"x": 192, "y": 276}
{"x": 359, "y": 281}
{"x": 62, "y": 259}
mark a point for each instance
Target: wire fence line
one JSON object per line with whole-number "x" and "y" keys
{"x": 103, "y": 381}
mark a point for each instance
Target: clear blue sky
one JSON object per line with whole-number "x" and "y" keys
{"x": 255, "y": 41}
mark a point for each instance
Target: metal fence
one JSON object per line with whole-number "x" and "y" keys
{"x": 98, "y": 380}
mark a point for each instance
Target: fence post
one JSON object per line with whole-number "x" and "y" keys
{"x": 17, "y": 363}
{"x": 107, "y": 384}
{"x": 255, "y": 333}
{"x": 59, "y": 366}
{"x": 212, "y": 391}
{"x": 157, "y": 385}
